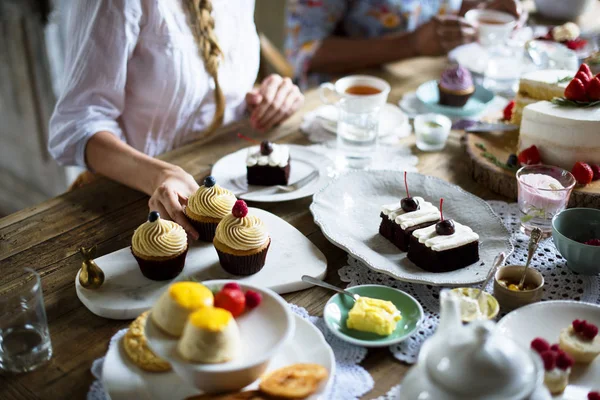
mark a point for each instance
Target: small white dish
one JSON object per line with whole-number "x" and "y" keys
{"x": 230, "y": 172}
{"x": 123, "y": 380}
{"x": 392, "y": 120}
{"x": 126, "y": 293}
{"x": 263, "y": 331}
{"x": 546, "y": 320}
{"x": 348, "y": 212}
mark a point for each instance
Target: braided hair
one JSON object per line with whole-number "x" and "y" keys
{"x": 202, "y": 24}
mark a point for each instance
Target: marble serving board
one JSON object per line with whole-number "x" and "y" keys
{"x": 126, "y": 293}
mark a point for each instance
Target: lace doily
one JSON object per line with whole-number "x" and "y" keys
{"x": 391, "y": 395}
{"x": 350, "y": 382}
{"x": 560, "y": 282}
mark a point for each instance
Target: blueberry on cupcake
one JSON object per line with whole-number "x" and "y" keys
{"x": 455, "y": 86}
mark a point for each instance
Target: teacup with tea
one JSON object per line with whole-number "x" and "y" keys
{"x": 493, "y": 27}
{"x": 366, "y": 91}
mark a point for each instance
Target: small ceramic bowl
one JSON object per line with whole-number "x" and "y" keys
{"x": 337, "y": 308}
{"x": 511, "y": 299}
{"x": 492, "y": 304}
{"x": 570, "y": 229}
{"x": 263, "y": 330}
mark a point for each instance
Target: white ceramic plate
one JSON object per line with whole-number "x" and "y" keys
{"x": 546, "y": 320}
{"x": 348, "y": 210}
{"x": 123, "y": 380}
{"x": 391, "y": 121}
{"x": 230, "y": 172}
{"x": 475, "y": 58}
{"x": 126, "y": 293}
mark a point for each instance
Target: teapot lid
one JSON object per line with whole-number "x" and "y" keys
{"x": 474, "y": 362}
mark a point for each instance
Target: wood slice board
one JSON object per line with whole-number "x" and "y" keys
{"x": 503, "y": 181}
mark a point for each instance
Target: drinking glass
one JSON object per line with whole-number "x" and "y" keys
{"x": 24, "y": 337}
{"x": 432, "y": 131}
{"x": 358, "y": 124}
{"x": 543, "y": 192}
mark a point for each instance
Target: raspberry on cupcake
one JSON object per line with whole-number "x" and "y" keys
{"x": 581, "y": 341}
{"x": 241, "y": 241}
{"x": 557, "y": 365}
{"x": 207, "y": 207}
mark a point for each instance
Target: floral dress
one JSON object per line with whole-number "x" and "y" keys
{"x": 308, "y": 22}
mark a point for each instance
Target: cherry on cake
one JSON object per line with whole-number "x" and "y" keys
{"x": 443, "y": 247}
{"x": 581, "y": 341}
{"x": 268, "y": 164}
{"x": 399, "y": 220}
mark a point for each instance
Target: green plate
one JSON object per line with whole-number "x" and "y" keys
{"x": 429, "y": 95}
{"x": 337, "y": 308}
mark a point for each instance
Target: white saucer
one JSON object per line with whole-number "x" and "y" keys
{"x": 391, "y": 121}
{"x": 546, "y": 320}
{"x": 122, "y": 380}
{"x": 230, "y": 172}
{"x": 126, "y": 293}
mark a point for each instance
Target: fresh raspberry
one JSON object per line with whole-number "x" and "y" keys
{"x": 564, "y": 361}
{"x": 575, "y": 44}
{"x": 253, "y": 299}
{"x": 508, "y": 110}
{"x": 540, "y": 345}
{"x": 549, "y": 358}
{"x": 593, "y": 396}
{"x": 589, "y": 331}
{"x": 555, "y": 348}
{"x": 593, "y": 242}
{"x": 592, "y": 89}
{"x": 530, "y": 156}
{"x": 596, "y": 171}
{"x": 578, "y": 325}
{"x": 231, "y": 300}
{"x": 232, "y": 286}
{"x": 576, "y": 90}
{"x": 583, "y": 173}
{"x": 240, "y": 209}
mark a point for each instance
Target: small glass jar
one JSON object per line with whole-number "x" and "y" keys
{"x": 432, "y": 131}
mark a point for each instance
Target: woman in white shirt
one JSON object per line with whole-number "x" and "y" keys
{"x": 143, "y": 77}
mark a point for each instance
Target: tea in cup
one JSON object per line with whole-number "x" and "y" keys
{"x": 493, "y": 27}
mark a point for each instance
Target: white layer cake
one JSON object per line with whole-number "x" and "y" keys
{"x": 564, "y": 135}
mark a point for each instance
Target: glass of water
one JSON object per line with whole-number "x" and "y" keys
{"x": 24, "y": 337}
{"x": 357, "y": 128}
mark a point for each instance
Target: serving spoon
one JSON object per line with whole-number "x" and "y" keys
{"x": 534, "y": 240}
{"x": 323, "y": 284}
{"x": 497, "y": 262}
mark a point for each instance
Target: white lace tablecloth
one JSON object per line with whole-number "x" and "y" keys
{"x": 560, "y": 282}
{"x": 350, "y": 382}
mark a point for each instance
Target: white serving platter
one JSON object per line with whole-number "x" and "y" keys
{"x": 348, "y": 212}
{"x": 546, "y": 320}
{"x": 230, "y": 173}
{"x": 122, "y": 380}
{"x": 126, "y": 293}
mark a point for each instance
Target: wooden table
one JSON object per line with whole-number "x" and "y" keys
{"x": 46, "y": 237}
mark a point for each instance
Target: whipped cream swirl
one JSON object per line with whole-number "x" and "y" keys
{"x": 427, "y": 212}
{"x": 214, "y": 202}
{"x": 461, "y": 236}
{"x": 245, "y": 233}
{"x": 278, "y": 158}
{"x": 160, "y": 238}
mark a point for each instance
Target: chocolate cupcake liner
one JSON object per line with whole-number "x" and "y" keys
{"x": 206, "y": 230}
{"x": 243, "y": 265}
{"x": 453, "y": 100}
{"x": 162, "y": 270}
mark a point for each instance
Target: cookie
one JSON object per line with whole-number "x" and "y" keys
{"x": 136, "y": 348}
{"x": 294, "y": 382}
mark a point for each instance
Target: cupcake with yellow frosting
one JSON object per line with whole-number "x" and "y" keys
{"x": 242, "y": 241}
{"x": 207, "y": 207}
{"x": 160, "y": 247}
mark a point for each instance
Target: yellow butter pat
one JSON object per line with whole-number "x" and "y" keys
{"x": 373, "y": 315}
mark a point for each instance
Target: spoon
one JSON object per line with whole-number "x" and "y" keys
{"x": 91, "y": 276}
{"x": 326, "y": 285}
{"x": 497, "y": 262}
{"x": 534, "y": 240}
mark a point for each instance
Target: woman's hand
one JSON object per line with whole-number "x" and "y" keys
{"x": 442, "y": 34}
{"x": 173, "y": 188}
{"x": 274, "y": 101}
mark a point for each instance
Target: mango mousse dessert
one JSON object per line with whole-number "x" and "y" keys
{"x": 175, "y": 305}
{"x": 373, "y": 315}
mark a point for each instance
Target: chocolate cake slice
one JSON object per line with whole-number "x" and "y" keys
{"x": 454, "y": 248}
{"x": 397, "y": 224}
{"x": 268, "y": 164}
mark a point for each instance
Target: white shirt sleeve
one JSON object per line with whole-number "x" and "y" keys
{"x": 101, "y": 37}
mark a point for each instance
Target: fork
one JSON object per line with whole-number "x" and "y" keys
{"x": 285, "y": 188}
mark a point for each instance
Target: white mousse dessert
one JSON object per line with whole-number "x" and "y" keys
{"x": 581, "y": 341}
{"x": 544, "y": 192}
{"x": 211, "y": 335}
{"x": 171, "y": 311}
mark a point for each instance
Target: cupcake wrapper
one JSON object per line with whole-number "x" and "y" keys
{"x": 453, "y": 100}
{"x": 161, "y": 270}
{"x": 243, "y": 265}
{"x": 206, "y": 230}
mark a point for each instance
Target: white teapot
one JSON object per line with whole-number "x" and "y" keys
{"x": 473, "y": 362}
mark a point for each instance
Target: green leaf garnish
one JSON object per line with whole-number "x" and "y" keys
{"x": 493, "y": 159}
{"x": 564, "y": 102}
{"x": 565, "y": 79}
